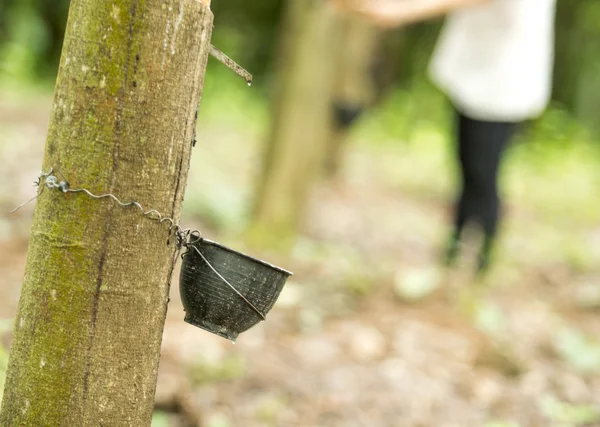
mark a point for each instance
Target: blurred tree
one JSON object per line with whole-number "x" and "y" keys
{"x": 370, "y": 63}
{"x": 588, "y": 90}
{"x": 331, "y": 68}
{"x": 302, "y": 116}
{"x": 577, "y": 65}
{"x": 2, "y": 21}
{"x": 90, "y": 320}
{"x": 355, "y": 80}
{"x": 568, "y": 59}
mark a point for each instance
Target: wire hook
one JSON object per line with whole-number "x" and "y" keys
{"x": 186, "y": 238}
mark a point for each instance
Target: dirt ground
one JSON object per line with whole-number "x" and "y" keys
{"x": 369, "y": 332}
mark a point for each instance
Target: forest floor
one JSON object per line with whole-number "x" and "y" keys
{"x": 369, "y": 332}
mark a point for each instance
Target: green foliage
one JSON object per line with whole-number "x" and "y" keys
{"x": 249, "y": 32}
{"x": 32, "y": 31}
{"x": 554, "y": 168}
{"x": 228, "y": 104}
{"x": 270, "y": 409}
{"x": 19, "y": 56}
{"x": 556, "y": 130}
{"x": 415, "y": 284}
{"x": 589, "y": 17}
{"x": 501, "y": 424}
{"x": 227, "y": 100}
{"x": 31, "y": 34}
{"x": 230, "y": 368}
{"x": 218, "y": 420}
{"x": 160, "y": 419}
{"x": 580, "y": 352}
{"x": 406, "y": 111}
{"x": 569, "y": 415}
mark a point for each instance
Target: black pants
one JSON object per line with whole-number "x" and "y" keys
{"x": 480, "y": 148}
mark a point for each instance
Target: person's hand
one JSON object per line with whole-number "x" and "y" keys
{"x": 383, "y": 13}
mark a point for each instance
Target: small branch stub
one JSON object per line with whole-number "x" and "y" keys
{"x": 231, "y": 64}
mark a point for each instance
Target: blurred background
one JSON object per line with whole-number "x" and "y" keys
{"x": 369, "y": 331}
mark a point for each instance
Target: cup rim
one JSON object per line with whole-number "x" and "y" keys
{"x": 233, "y": 251}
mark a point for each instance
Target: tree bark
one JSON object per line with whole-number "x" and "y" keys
{"x": 302, "y": 115}
{"x": 93, "y": 304}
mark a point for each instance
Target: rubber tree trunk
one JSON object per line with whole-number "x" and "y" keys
{"x": 94, "y": 299}
{"x": 302, "y": 115}
{"x": 354, "y": 89}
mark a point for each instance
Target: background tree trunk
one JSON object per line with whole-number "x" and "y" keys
{"x": 576, "y": 68}
{"x": 354, "y": 89}
{"x": 93, "y": 304}
{"x": 302, "y": 116}
{"x": 568, "y": 57}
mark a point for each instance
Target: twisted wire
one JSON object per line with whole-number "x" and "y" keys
{"x": 185, "y": 237}
{"x": 36, "y": 183}
{"x": 152, "y": 214}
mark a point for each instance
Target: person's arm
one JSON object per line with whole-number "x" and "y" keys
{"x": 394, "y": 13}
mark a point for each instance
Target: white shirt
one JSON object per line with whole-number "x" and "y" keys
{"x": 494, "y": 60}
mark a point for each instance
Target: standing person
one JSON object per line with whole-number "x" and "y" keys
{"x": 494, "y": 61}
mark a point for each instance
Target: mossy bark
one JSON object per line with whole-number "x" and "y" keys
{"x": 94, "y": 299}
{"x": 302, "y": 115}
